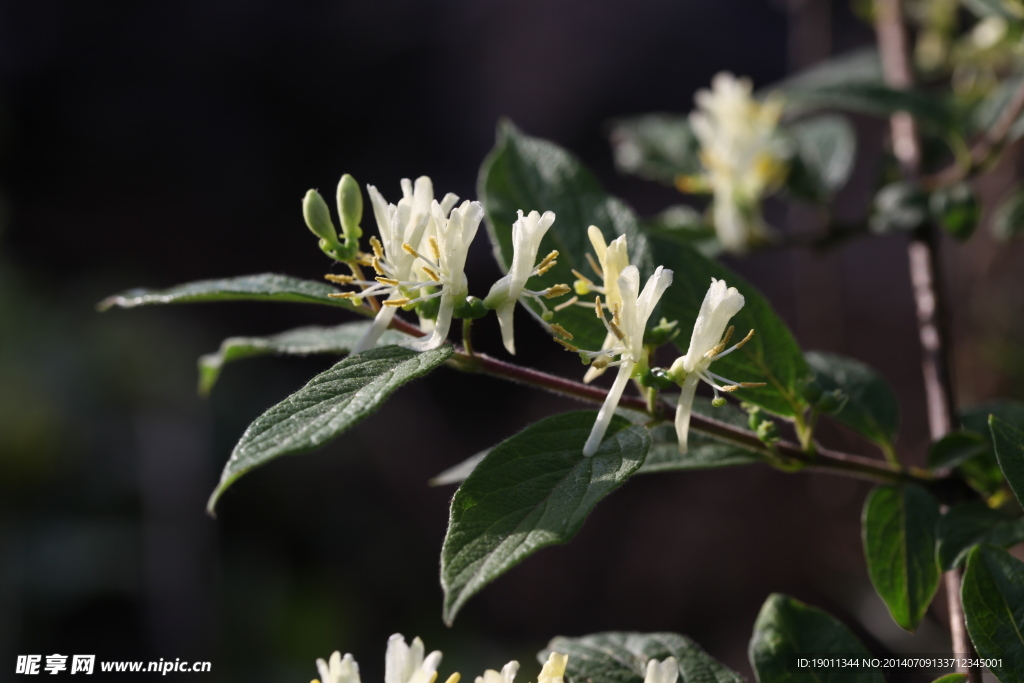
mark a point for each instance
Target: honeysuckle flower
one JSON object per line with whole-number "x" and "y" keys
{"x": 398, "y": 272}
{"x": 553, "y": 670}
{"x": 666, "y": 671}
{"x": 527, "y": 233}
{"x": 611, "y": 260}
{"x": 707, "y": 344}
{"x": 743, "y": 156}
{"x": 339, "y": 670}
{"x": 507, "y": 674}
{"x": 406, "y": 663}
{"x": 626, "y": 330}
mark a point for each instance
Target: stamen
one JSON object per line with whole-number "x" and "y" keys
{"x": 720, "y": 346}
{"x": 614, "y": 329}
{"x": 753, "y": 385}
{"x": 595, "y": 266}
{"x": 561, "y": 331}
{"x": 431, "y": 274}
{"x": 750, "y": 335}
{"x": 601, "y": 362}
{"x": 556, "y": 291}
{"x": 583, "y": 277}
{"x": 567, "y": 304}
{"x": 397, "y": 303}
{"x": 730, "y": 388}
{"x": 339, "y": 279}
{"x": 547, "y": 263}
{"x": 434, "y": 249}
{"x": 566, "y": 345}
{"x": 408, "y": 249}
{"x": 376, "y": 266}
{"x": 378, "y": 248}
{"x": 364, "y": 259}
{"x": 387, "y": 281}
{"x": 341, "y": 295}
{"x": 454, "y": 678}
{"x": 597, "y": 308}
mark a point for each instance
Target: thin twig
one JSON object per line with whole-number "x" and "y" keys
{"x": 922, "y": 252}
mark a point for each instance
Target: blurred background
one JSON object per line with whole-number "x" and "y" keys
{"x": 148, "y": 144}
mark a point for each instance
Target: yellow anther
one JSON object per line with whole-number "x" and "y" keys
{"x": 556, "y": 291}
{"x": 561, "y": 331}
{"x": 397, "y": 303}
{"x": 752, "y": 385}
{"x": 339, "y": 279}
{"x": 730, "y": 388}
{"x": 567, "y": 304}
{"x": 434, "y": 249}
{"x": 364, "y": 259}
{"x": 597, "y": 308}
{"x": 378, "y": 248}
{"x": 616, "y": 331}
{"x": 454, "y": 678}
{"x": 582, "y": 277}
{"x": 720, "y": 346}
{"x": 433, "y": 677}
{"x": 341, "y": 295}
{"x": 387, "y": 281}
{"x": 377, "y": 267}
{"x": 595, "y": 265}
{"x": 547, "y": 263}
{"x": 750, "y": 335}
{"x": 408, "y": 249}
{"x": 616, "y": 319}
{"x": 601, "y": 362}
{"x": 431, "y": 274}
{"x": 567, "y": 345}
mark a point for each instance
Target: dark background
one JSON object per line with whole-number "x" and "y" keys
{"x": 147, "y": 144}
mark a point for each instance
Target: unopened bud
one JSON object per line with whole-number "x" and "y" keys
{"x": 663, "y": 333}
{"x": 471, "y": 308}
{"x": 717, "y": 402}
{"x": 811, "y": 392}
{"x": 318, "y": 218}
{"x": 831, "y": 402}
{"x": 350, "y": 207}
{"x": 657, "y": 378}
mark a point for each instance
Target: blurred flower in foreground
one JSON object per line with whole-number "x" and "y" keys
{"x": 744, "y": 158}
{"x": 662, "y": 672}
{"x": 402, "y": 664}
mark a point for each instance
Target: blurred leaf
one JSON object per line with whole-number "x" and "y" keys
{"x": 527, "y": 173}
{"x": 972, "y": 523}
{"x": 956, "y": 448}
{"x": 1008, "y": 217}
{"x": 826, "y": 147}
{"x": 993, "y": 597}
{"x": 684, "y": 225}
{"x": 327, "y": 406}
{"x": 877, "y": 100}
{"x": 704, "y": 452}
{"x": 1009, "y": 445}
{"x": 787, "y": 628}
{"x": 1005, "y": 9}
{"x": 991, "y": 108}
{"x": 900, "y": 206}
{"x": 871, "y": 408}
{"x": 899, "y": 545}
{"x": 622, "y": 657}
{"x": 656, "y": 147}
{"x": 263, "y": 287}
{"x": 982, "y": 471}
{"x": 532, "y": 490}
{"x": 301, "y": 341}
{"x": 772, "y": 356}
{"x": 857, "y": 66}
{"x": 956, "y": 210}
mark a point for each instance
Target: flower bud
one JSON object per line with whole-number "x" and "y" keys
{"x": 318, "y": 218}
{"x": 717, "y": 402}
{"x": 831, "y": 402}
{"x": 350, "y": 207}
{"x": 663, "y": 333}
{"x": 429, "y": 308}
{"x": 471, "y": 307}
{"x": 811, "y": 392}
{"x": 657, "y": 378}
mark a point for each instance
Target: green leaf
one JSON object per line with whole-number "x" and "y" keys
{"x": 527, "y": 173}
{"x": 877, "y": 100}
{"x": 956, "y": 210}
{"x": 704, "y": 452}
{"x": 656, "y": 147}
{"x": 899, "y": 545}
{"x": 301, "y": 341}
{"x": 328, "y": 405}
{"x": 1009, "y": 445}
{"x": 1004, "y": 9}
{"x": 952, "y": 678}
{"x": 956, "y": 448}
{"x": 263, "y": 287}
{"x": 861, "y": 66}
{"x": 871, "y": 408}
{"x": 1008, "y": 217}
{"x": 787, "y": 629}
{"x": 684, "y": 225}
{"x": 826, "y": 147}
{"x": 972, "y": 523}
{"x": 991, "y": 108}
{"x": 621, "y": 657}
{"x": 531, "y": 491}
{"x": 975, "y": 418}
{"x": 982, "y": 471}
{"x": 993, "y": 597}
{"x": 772, "y": 356}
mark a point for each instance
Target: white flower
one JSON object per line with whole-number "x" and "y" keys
{"x": 527, "y": 233}
{"x": 626, "y": 330}
{"x": 406, "y": 663}
{"x": 507, "y": 675}
{"x": 742, "y": 153}
{"x": 611, "y": 260}
{"x": 339, "y": 670}
{"x": 553, "y": 670}
{"x": 662, "y": 672}
{"x": 707, "y": 344}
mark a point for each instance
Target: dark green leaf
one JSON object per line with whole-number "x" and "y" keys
{"x": 1009, "y": 445}
{"x": 982, "y": 471}
{"x": 684, "y": 225}
{"x": 528, "y": 173}
{"x": 969, "y": 524}
{"x": 656, "y": 147}
{"x": 621, "y": 657}
{"x": 871, "y": 407}
{"x": 825, "y": 150}
{"x": 787, "y": 629}
{"x": 1008, "y": 217}
{"x": 704, "y": 452}
{"x": 328, "y": 405}
{"x": 264, "y": 287}
{"x": 301, "y": 341}
{"x": 975, "y": 418}
{"x": 772, "y": 356}
{"x": 860, "y": 66}
{"x": 875, "y": 99}
{"x": 956, "y": 448}
{"x": 531, "y": 491}
{"x": 899, "y": 546}
{"x": 993, "y": 597}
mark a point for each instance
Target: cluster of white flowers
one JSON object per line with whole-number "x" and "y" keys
{"x": 743, "y": 155}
